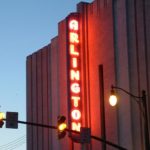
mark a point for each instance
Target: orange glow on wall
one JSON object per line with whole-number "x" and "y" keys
{"x": 74, "y": 72}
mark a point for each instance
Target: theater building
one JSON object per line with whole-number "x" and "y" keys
{"x": 103, "y": 43}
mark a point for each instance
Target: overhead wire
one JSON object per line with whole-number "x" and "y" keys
{"x": 14, "y": 144}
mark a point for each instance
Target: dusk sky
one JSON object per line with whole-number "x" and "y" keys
{"x": 25, "y": 27}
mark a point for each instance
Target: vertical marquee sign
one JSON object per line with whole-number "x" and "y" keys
{"x": 74, "y": 72}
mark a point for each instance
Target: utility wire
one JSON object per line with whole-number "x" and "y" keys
{"x": 14, "y": 144}
{"x": 16, "y": 140}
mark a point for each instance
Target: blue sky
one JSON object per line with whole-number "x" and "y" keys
{"x": 25, "y": 26}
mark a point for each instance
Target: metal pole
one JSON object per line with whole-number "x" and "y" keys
{"x": 146, "y": 131}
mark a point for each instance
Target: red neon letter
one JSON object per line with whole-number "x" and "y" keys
{"x": 76, "y": 126}
{"x": 74, "y": 62}
{"x": 74, "y": 38}
{"x": 75, "y": 88}
{"x": 73, "y": 24}
{"x": 74, "y": 75}
{"x": 75, "y": 101}
{"x": 72, "y": 50}
{"x": 76, "y": 114}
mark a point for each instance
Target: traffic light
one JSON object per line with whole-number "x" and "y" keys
{"x": 61, "y": 126}
{"x": 12, "y": 120}
{"x": 1, "y": 119}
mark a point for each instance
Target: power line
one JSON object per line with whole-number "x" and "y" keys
{"x": 14, "y": 144}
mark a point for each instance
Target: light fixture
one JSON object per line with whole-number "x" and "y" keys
{"x": 139, "y": 100}
{"x": 113, "y": 98}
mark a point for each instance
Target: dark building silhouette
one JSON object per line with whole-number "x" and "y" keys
{"x": 103, "y": 43}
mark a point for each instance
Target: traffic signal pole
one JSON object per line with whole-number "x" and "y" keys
{"x": 35, "y": 124}
{"x": 72, "y": 131}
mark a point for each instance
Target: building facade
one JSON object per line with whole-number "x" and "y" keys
{"x": 103, "y": 43}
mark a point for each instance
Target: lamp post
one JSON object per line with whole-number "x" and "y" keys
{"x": 141, "y": 99}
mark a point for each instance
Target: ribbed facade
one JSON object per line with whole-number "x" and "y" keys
{"x": 114, "y": 49}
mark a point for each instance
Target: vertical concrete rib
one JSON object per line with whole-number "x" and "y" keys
{"x": 34, "y": 99}
{"x": 40, "y": 99}
{"x": 45, "y": 96}
{"x": 29, "y": 102}
{"x": 49, "y": 90}
{"x": 122, "y": 76}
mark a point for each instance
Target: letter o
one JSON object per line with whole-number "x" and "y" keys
{"x": 76, "y": 114}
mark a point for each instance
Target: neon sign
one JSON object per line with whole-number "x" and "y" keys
{"x": 74, "y": 72}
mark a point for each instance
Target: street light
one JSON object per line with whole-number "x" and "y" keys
{"x": 113, "y": 98}
{"x": 141, "y": 99}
